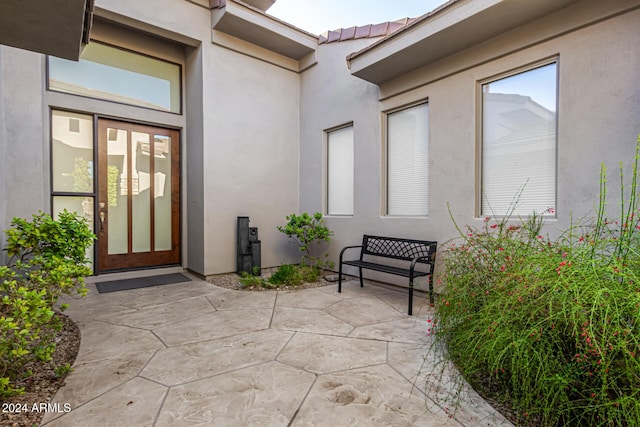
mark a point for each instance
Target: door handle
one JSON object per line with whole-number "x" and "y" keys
{"x": 101, "y": 222}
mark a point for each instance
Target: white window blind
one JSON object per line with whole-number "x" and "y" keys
{"x": 407, "y": 161}
{"x": 519, "y": 143}
{"x": 340, "y": 171}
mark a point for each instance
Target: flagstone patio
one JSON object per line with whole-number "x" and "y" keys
{"x": 193, "y": 354}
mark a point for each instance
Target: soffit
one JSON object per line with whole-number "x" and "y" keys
{"x": 253, "y": 26}
{"x": 53, "y": 27}
{"x": 262, "y": 5}
{"x": 455, "y": 26}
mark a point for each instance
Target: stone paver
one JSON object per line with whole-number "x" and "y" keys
{"x": 205, "y": 359}
{"x": 262, "y": 395}
{"x": 193, "y": 354}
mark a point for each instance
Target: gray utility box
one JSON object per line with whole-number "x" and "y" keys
{"x": 248, "y": 249}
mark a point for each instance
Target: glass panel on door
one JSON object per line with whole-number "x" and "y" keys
{"x": 162, "y": 192}
{"x": 117, "y": 191}
{"x": 142, "y": 163}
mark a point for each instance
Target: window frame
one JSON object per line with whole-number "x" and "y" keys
{"x": 385, "y": 158}
{"x": 327, "y": 171}
{"x": 132, "y": 51}
{"x": 552, "y": 211}
{"x": 55, "y": 195}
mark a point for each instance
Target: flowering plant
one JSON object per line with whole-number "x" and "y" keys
{"x": 551, "y": 326}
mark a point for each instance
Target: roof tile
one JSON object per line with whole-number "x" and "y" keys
{"x": 348, "y": 33}
{"x": 365, "y": 31}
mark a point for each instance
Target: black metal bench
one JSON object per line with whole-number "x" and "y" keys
{"x": 413, "y": 251}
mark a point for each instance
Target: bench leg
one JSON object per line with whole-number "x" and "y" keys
{"x": 431, "y": 289}
{"x": 340, "y": 278}
{"x": 411, "y": 298}
{"x": 361, "y": 282}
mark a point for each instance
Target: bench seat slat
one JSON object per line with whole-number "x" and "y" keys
{"x": 385, "y": 268}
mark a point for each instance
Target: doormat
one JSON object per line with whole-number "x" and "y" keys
{"x": 140, "y": 282}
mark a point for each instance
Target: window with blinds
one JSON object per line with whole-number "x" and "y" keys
{"x": 340, "y": 171}
{"x": 408, "y": 161}
{"x": 519, "y": 117}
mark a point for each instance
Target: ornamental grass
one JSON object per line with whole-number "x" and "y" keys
{"x": 550, "y": 327}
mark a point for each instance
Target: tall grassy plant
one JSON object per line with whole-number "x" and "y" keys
{"x": 551, "y": 326}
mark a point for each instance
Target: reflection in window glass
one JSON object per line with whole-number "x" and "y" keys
{"x": 140, "y": 192}
{"x": 162, "y": 192}
{"x": 83, "y": 207}
{"x": 117, "y": 192}
{"x": 113, "y": 74}
{"x": 519, "y": 143}
{"x": 72, "y": 152}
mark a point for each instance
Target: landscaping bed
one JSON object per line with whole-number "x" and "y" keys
{"x": 234, "y": 281}
{"x": 44, "y": 380}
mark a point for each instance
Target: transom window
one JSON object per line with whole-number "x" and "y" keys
{"x": 518, "y": 164}
{"x": 118, "y": 75}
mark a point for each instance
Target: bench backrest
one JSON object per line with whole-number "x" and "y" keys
{"x": 404, "y": 249}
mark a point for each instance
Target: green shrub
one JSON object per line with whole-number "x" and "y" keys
{"x": 47, "y": 259}
{"x": 287, "y": 274}
{"x": 304, "y": 230}
{"x": 551, "y": 326}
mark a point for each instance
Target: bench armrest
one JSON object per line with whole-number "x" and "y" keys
{"x": 418, "y": 258}
{"x": 345, "y": 248}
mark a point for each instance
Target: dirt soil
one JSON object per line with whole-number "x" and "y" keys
{"x": 42, "y": 385}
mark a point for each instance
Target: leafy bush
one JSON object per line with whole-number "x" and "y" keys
{"x": 306, "y": 229}
{"x": 286, "y": 274}
{"x": 551, "y": 326}
{"x": 47, "y": 259}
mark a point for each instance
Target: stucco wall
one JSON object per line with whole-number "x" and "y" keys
{"x": 193, "y": 185}
{"x": 250, "y": 155}
{"x": 239, "y": 129}
{"x": 24, "y": 153}
{"x": 332, "y": 97}
{"x": 599, "y": 107}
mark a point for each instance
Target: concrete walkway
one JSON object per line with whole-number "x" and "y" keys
{"x": 194, "y": 354}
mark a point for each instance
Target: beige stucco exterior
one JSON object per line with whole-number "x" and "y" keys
{"x": 254, "y": 117}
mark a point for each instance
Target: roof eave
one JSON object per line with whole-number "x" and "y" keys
{"x": 53, "y": 27}
{"x": 453, "y": 27}
{"x": 252, "y": 25}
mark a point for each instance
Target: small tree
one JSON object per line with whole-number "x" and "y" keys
{"x": 306, "y": 229}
